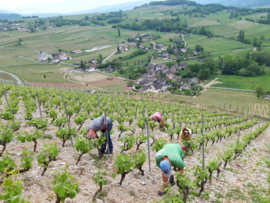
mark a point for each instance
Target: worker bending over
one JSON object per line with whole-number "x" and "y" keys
{"x": 171, "y": 155}
{"x": 100, "y": 124}
{"x": 158, "y": 117}
{"x": 185, "y": 135}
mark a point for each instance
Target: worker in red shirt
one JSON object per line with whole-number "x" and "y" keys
{"x": 158, "y": 117}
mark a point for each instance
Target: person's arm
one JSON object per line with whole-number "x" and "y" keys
{"x": 180, "y": 140}
{"x": 181, "y": 170}
{"x": 163, "y": 122}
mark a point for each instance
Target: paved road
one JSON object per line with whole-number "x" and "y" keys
{"x": 14, "y": 76}
{"x": 103, "y": 62}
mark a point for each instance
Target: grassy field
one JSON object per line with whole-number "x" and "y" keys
{"x": 249, "y": 83}
{"x": 4, "y": 76}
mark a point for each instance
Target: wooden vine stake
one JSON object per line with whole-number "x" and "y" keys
{"x": 40, "y": 113}
{"x": 202, "y": 141}
{"x": 148, "y": 142}
{"x": 68, "y": 123}
{"x": 106, "y": 133}
{"x": 6, "y": 98}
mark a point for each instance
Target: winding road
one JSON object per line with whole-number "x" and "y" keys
{"x": 14, "y": 76}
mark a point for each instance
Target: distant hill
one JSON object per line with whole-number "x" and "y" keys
{"x": 44, "y": 15}
{"x": 116, "y": 7}
{"x": 238, "y": 3}
{"x": 6, "y": 12}
{"x": 9, "y": 16}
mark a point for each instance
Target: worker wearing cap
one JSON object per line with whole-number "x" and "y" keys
{"x": 170, "y": 155}
{"x": 100, "y": 124}
{"x": 158, "y": 117}
{"x": 185, "y": 135}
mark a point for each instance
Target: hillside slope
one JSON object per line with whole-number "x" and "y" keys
{"x": 238, "y": 3}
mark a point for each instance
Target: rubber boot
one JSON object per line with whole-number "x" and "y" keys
{"x": 163, "y": 189}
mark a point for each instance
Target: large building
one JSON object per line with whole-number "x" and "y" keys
{"x": 44, "y": 56}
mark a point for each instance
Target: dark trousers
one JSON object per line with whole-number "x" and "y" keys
{"x": 109, "y": 126}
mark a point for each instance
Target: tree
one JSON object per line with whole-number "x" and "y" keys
{"x": 118, "y": 64}
{"x": 99, "y": 58}
{"x": 204, "y": 73}
{"x": 198, "y": 48}
{"x": 241, "y": 36}
{"x": 86, "y": 17}
{"x": 119, "y": 34}
{"x": 82, "y": 65}
{"x": 259, "y": 90}
{"x": 118, "y": 49}
{"x": 262, "y": 38}
{"x": 130, "y": 83}
{"x": 178, "y": 60}
{"x": 211, "y": 64}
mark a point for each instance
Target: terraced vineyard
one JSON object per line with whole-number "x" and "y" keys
{"x": 246, "y": 102}
{"x": 38, "y": 150}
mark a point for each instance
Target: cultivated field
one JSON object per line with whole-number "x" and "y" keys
{"x": 246, "y": 102}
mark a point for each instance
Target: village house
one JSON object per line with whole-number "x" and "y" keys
{"x": 183, "y": 65}
{"x": 55, "y": 59}
{"x": 153, "y": 44}
{"x": 163, "y": 80}
{"x": 141, "y": 46}
{"x": 139, "y": 80}
{"x": 91, "y": 68}
{"x": 150, "y": 37}
{"x": 44, "y": 56}
{"x": 63, "y": 56}
{"x": 165, "y": 69}
{"x": 170, "y": 76}
{"x": 146, "y": 82}
{"x": 164, "y": 48}
{"x": 128, "y": 88}
{"x": 151, "y": 73}
{"x": 159, "y": 87}
{"x": 166, "y": 55}
{"x": 175, "y": 77}
{"x": 184, "y": 50}
{"x": 132, "y": 44}
{"x": 194, "y": 52}
{"x": 108, "y": 70}
{"x": 184, "y": 86}
{"x": 77, "y": 51}
{"x": 124, "y": 48}
{"x": 175, "y": 51}
{"x": 160, "y": 46}
{"x": 91, "y": 61}
{"x": 168, "y": 84}
{"x": 144, "y": 76}
{"x": 143, "y": 89}
{"x": 194, "y": 80}
{"x": 159, "y": 66}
